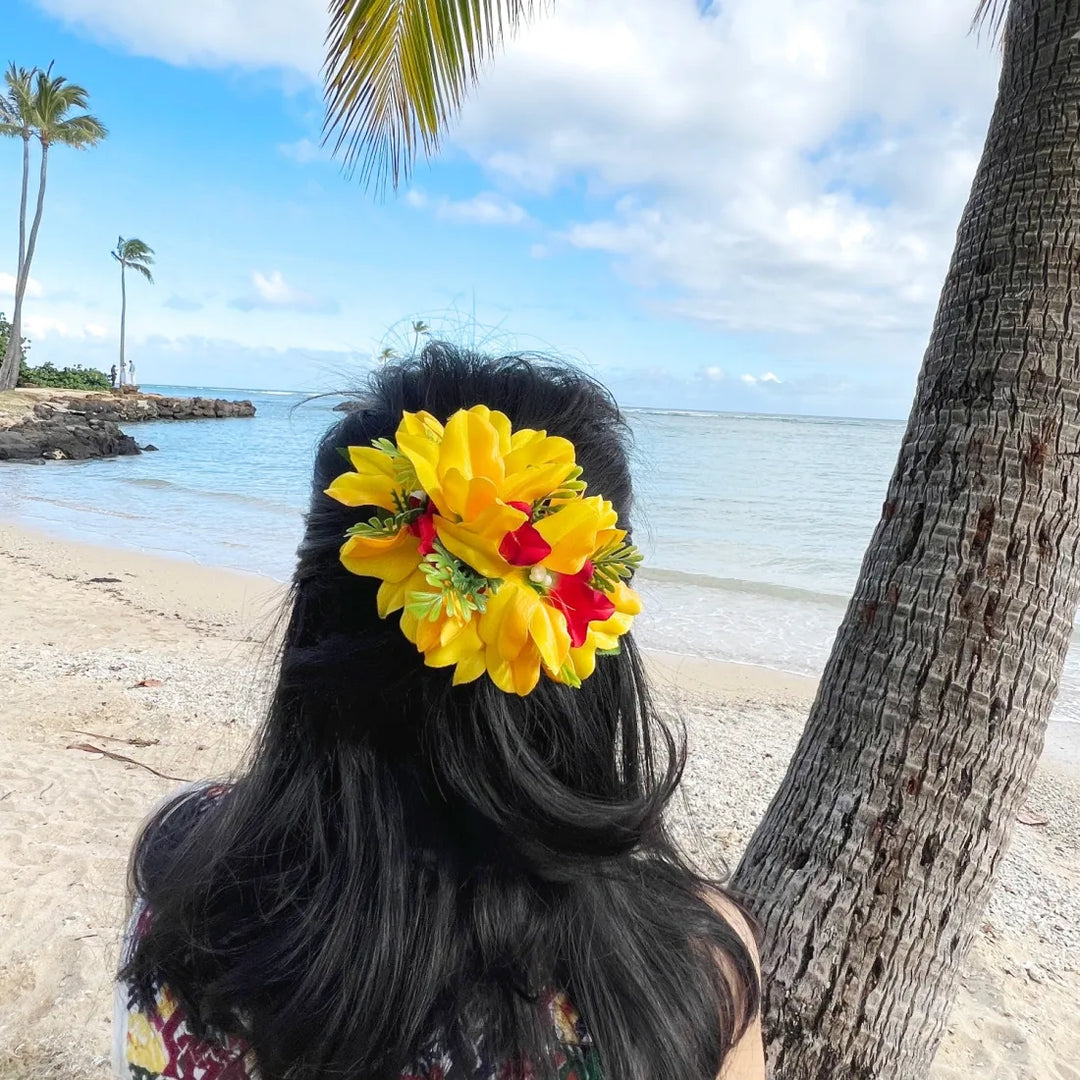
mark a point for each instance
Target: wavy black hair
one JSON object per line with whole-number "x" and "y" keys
{"x": 403, "y": 860}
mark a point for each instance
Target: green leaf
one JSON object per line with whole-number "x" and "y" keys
{"x": 397, "y": 72}
{"x": 404, "y": 472}
{"x": 614, "y": 561}
{"x": 569, "y": 675}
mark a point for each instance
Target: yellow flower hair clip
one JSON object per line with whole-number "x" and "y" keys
{"x": 485, "y": 541}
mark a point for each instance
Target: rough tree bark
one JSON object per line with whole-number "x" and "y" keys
{"x": 9, "y": 363}
{"x": 123, "y": 323}
{"x": 874, "y": 862}
{"x": 9, "y": 374}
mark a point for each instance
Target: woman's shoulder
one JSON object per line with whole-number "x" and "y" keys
{"x": 746, "y": 1060}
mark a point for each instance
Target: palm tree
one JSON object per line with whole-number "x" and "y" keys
{"x": 37, "y": 105}
{"x": 873, "y": 864}
{"x": 387, "y": 355}
{"x": 136, "y": 255}
{"x": 16, "y": 122}
{"x": 420, "y": 329}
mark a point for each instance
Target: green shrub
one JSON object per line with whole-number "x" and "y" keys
{"x": 69, "y": 378}
{"x": 5, "y": 337}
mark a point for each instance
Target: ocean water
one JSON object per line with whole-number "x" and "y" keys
{"x": 752, "y": 527}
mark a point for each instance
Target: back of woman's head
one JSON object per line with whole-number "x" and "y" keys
{"x": 407, "y": 860}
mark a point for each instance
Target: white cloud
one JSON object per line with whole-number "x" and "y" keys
{"x": 304, "y": 151}
{"x": 785, "y": 165}
{"x": 750, "y": 380}
{"x": 36, "y": 327}
{"x": 770, "y": 377}
{"x": 273, "y": 291}
{"x": 207, "y": 33}
{"x": 713, "y": 373}
{"x": 773, "y": 165}
{"x": 484, "y": 208}
{"x": 7, "y": 286}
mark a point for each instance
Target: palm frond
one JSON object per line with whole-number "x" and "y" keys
{"x": 139, "y": 268}
{"x": 990, "y": 15}
{"x": 80, "y": 131}
{"x": 397, "y": 72}
{"x": 136, "y": 251}
{"x": 53, "y": 100}
{"x": 16, "y": 105}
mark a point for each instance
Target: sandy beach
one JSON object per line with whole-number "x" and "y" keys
{"x": 122, "y": 674}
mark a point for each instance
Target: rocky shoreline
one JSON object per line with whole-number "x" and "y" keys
{"x": 69, "y": 425}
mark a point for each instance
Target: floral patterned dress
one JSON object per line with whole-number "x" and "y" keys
{"x": 161, "y": 1046}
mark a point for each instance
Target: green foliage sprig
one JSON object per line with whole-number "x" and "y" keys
{"x": 573, "y": 487}
{"x": 613, "y": 561}
{"x": 386, "y": 524}
{"x": 460, "y": 589}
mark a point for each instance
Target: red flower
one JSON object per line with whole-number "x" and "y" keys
{"x": 424, "y": 527}
{"x": 580, "y": 603}
{"x": 524, "y": 546}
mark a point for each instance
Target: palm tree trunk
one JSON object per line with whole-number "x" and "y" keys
{"x": 9, "y": 364}
{"x": 874, "y": 862}
{"x": 123, "y": 321}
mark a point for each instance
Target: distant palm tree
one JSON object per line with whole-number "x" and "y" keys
{"x": 387, "y": 355}
{"x": 134, "y": 254}
{"x": 16, "y": 122}
{"x": 36, "y": 105}
{"x": 420, "y": 329}
{"x": 397, "y": 72}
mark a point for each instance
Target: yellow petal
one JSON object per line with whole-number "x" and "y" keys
{"x": 536, "y": 466}
{"x": 525, "y": 671}
{"x": 571, "y": 532}
{"x": 419, "y": 436}
{"x": 504, "y": 626}
{"x": 501, "y": 423}
{"x": 468, "y": 498}
{"x": 477, "y": 542}
{"x": 462, "y": 643}
{"x": 471, "y": 446}
{"x": 372, "y": 484}
{"x": 625, "y": 599}
{"x": 470, "y": 667}
{"x": 547, "y": 627}
{"x": 394, "y": 595}
{"x": 391, "y": 559}
{"x": 582, "y": 660}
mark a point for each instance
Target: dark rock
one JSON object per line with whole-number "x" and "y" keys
{"x": 131, "y": 407}
{"x": 148, "y": 448}
{"x": 65, "y": 436}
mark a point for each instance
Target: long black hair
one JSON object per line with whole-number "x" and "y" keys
{"x": 403, "y": 860}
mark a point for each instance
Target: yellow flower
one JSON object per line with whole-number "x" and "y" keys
{"x": 390, "y": 559}
{"x": 522, "y": 632}
{"x": 477, "y": 460}
{"x": 448, "y": 640}
{"x": 484, "y": 482}
{"x": 572, "y": 532}
{"x": 605, "y": 635}
{"x": 372, "y": 483}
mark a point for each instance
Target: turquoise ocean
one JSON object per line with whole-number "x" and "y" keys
{"x": 752, "y": 526}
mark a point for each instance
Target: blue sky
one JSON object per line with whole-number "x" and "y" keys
{"x": 746, "y": 207}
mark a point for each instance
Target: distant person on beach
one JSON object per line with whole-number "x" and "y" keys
{"x": 447, "y": 854}
{"x": 131, "y": 375}
{"x": 112, "y": 376}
